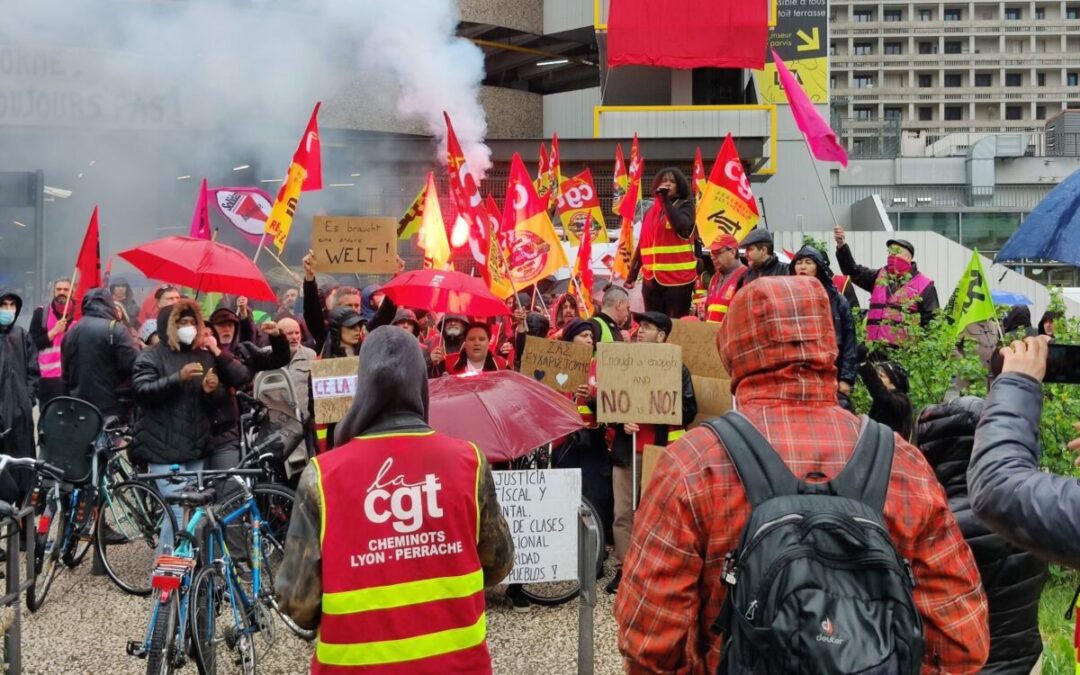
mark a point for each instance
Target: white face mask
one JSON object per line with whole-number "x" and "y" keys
{"x": 187, "y": 334}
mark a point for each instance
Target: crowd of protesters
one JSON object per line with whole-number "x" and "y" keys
{"x": 966, "y": 505}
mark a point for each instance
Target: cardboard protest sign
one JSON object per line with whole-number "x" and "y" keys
{"x": 563, "y": 366}
{"x": 541, "y": 510}
{"x": 361, "y": 245}
{"x": 649, "y": 457}
{"x": 713, "y": 397}
{"x": 333, "y": 384}
{"x": 698, "y": 341}
{"x": 640, "y": 383}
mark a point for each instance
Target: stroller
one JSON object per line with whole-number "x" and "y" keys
{"x": 275, "y": 425}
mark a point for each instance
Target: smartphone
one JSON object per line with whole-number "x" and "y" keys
{"x": 1062, "y": 364}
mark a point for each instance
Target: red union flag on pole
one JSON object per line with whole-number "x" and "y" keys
{"x": 621, "y": 180}
{"x": 629, "y": 204}
{"x": 699, "y": 174}
{"x": 727, "y": 204}
{"x": 87, "y": 265}
{"x": 200, "y": 218}
{"x": 534, "y": 251}
{"x": 579, "y": 208}
{"x": 819, "y": 136}
{"x": 466, "y": 195}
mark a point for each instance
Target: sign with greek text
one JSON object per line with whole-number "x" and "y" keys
{"x": 361, "y": 245}
{"x": 333, "y": 385}
{"x": 541, "y": 509}
{"x": 563, "y": 366}
{"x": 640, "y": 383}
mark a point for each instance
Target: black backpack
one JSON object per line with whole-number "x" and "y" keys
{"x": 816, "y": 585}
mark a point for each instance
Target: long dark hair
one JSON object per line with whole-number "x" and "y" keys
{"x": 681, "y": 182}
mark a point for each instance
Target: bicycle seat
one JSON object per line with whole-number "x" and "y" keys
{"x": 191, "y": 498}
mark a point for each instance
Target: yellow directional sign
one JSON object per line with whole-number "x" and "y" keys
{"x": 800, "y": 37}
{"x": 810, "y": 42}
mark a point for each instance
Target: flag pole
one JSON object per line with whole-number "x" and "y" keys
{"x": 74, "y": 286}
{"x": 262, "y": 240}
{"x": 283, "y": 265}
{"x": 813, "y": 163}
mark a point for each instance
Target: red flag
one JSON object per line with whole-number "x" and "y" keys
{"x": 200, "y": 219}
{"x": 699, "y": 174}
{"x": 629, "y": 204}
{"x": 535, "y": 251}
{"x": 819, "y": 135}
{"x": 701, "y": 34}
{"x": 583, "y": 273}
{"x": 554, "y": 172}
{"x": 727, "y": 204}
{"x": 108, "y": 273}
{"x": 621, "y": 180}
{"x": 466, "y": 196}
{"x": 543, "y": 164}
{"x": 88, "y": 265}
{"x": 309, "y": 153}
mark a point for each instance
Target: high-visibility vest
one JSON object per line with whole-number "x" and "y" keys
{"x": 605, "y": 329}
{"x": 720, "y": 294}
{"x": 885, "y": 318}
{"x": 666, "y": 257}
{"x": 402, "y": 583}
{"x": 49, "y": 359}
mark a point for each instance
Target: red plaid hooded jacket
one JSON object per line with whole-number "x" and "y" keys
{"x": 779, "y": 346}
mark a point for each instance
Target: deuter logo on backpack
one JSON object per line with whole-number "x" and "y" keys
{"x": 828, "y": 633}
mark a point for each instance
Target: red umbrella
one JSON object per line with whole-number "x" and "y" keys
{"x": 505, "y": 413}
{"x": 201, "y": 264}
{"x": 443, "y": 291}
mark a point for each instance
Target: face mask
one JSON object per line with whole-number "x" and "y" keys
{"x": 897, "y": 265}
{"x": 187, "y": 334}
{"x": 7, "y": 317}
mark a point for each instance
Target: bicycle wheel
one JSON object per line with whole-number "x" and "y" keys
{"x": 128, "y": 531}
{"x": 560, "y": 592}
{"x": 275, "y": 504}
{"x": 83, "y": 527}
{"x": 218, "y": 627}
{"x": 161, "y": 655}
{"x": 50, "y": 531}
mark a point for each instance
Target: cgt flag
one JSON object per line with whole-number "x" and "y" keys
{"x": 583, "y": 275}
{"x": 305, "y": 173}
{"x": 579, "y": 207}
{"x": 534, "y": 251}
{"x": 727, "y": 205}
{"x": 495, "y": 273}
{"x": 628, "y": 206}
{"x": 699, "y": 175}
{"x": 410, "y": 222}
{"x": 466, "y": 197}
{"x": 971, "y": 301}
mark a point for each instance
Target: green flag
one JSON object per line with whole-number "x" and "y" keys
{"x": 971, "y": 301}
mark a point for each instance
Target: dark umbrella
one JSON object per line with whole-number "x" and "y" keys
{"x": 505, "y": 413}
{"x": 1051, "y": 232}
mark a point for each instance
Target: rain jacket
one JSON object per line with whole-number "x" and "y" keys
{"x": 1013, "y": 578}
{"x": 19, "y": 376}
{"x": 1018, "y": 321}
{"x": 391, "y": 395}
{"x": 843, "y": 323}
{"x": 780, "y": 349}
{"x": 98, "y": 354}
{"x": 1034, "y": 510}
{"x": 129, "y": 303}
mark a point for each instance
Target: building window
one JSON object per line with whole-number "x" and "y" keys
{"x": 894, "y": 48}
{"x": 863, "y": 81}
{"x": 1014, "y": 112}
{"x": 952, "y": 80}
{"x": 952, "y": 15}
{"x": 863, "y": 48}
{"x": 926, "y": 15}
{"x": 892, "y": 15}
{"x": 1013, "y": 79}
{"x": 954, "y": 113}
{"x": 1041, "y": 79}
{"x": 1012, "y": 13}
{"x": 926, "y": 113}
{"x": 863, "y": 16}
{"x": 952, "y": 46}
{"x": 1071, "y": 79}
{"x": 983, "y": 80}
{"x": 864, "y": 114}
{"x": 832, "y": 82}
{"x": 1040, "y": 13}
{"x": 1072, "y": 13}
{"x": 1040, "y": 112}
{"x": 926, "y": 81}
{"x": 928, "y": 47}
{"x": 893, "y": 114}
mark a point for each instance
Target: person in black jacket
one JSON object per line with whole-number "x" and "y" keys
{"x": 175, "y": 382}
{"x": 18, "y": 390}
{"x": 1034, "y": 510}
{"x": 888, "y": 385}
{"x": 810, "y": 262}
{"x": 1046, "y": 324}
{"x": 653, "y": 328}
{"x": 48, "y": 325}
{"x": 760, "y": 257}
{"x": 1013, "y": 578}
{"x": 98, "y": 355}
{"x": 1017, "y": 323}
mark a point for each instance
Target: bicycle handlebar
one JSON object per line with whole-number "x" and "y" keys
{"x": 200, "y": 475}
{"x": 37, "y": 465}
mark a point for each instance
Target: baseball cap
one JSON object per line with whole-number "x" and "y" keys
{"x": 724, "y": 241}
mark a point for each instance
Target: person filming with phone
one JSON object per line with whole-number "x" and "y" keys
{"x": 1037, "y": 511}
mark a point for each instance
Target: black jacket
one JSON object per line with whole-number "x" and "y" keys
{"x": 1013, "y": 579}
{"x": 891, "y": 408}
{"x": 19, "y": 375}
{"x": 772, "y": 268}
{"x": 1039, "y": 512}
{"x": 847, "y": 358}
{"x": 620, "y": 446}
{"x": 174, "y": 420}
{"x": 866, "y": 278}
{"x": 98, "y": 354}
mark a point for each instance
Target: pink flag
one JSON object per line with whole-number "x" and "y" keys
{"x": 200, "y": 219}
{"x": 819, "y": 136}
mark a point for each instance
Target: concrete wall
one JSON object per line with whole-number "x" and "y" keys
{"x": 523, "y": 15}
{"x": 512, "y": 113}
{"x": 941, "y": 259}
{"x": 563, "y": 15}
{"x": 793, "y": 198}
{"x": 570, "y": 114}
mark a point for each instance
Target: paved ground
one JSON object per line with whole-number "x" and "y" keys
{"x": 86, "y": 623}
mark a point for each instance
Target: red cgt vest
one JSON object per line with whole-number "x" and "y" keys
{"x": 665, "y": 256}
{"x": 720, "y": 295}
{"x": 403, "y": 589}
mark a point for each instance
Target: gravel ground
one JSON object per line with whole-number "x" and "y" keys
{"x": 86, "y": 623}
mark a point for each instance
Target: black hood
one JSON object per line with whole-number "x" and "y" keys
{"x": 98, "y": 302}
{"x": 391, "y": 387}
{"x": 1019, "y": 316}
{"x": 1047, "y": 316}
{"x": 6, "y": 293}
{"x": 824, "y": 274}
{"x": 121, "y": 281}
